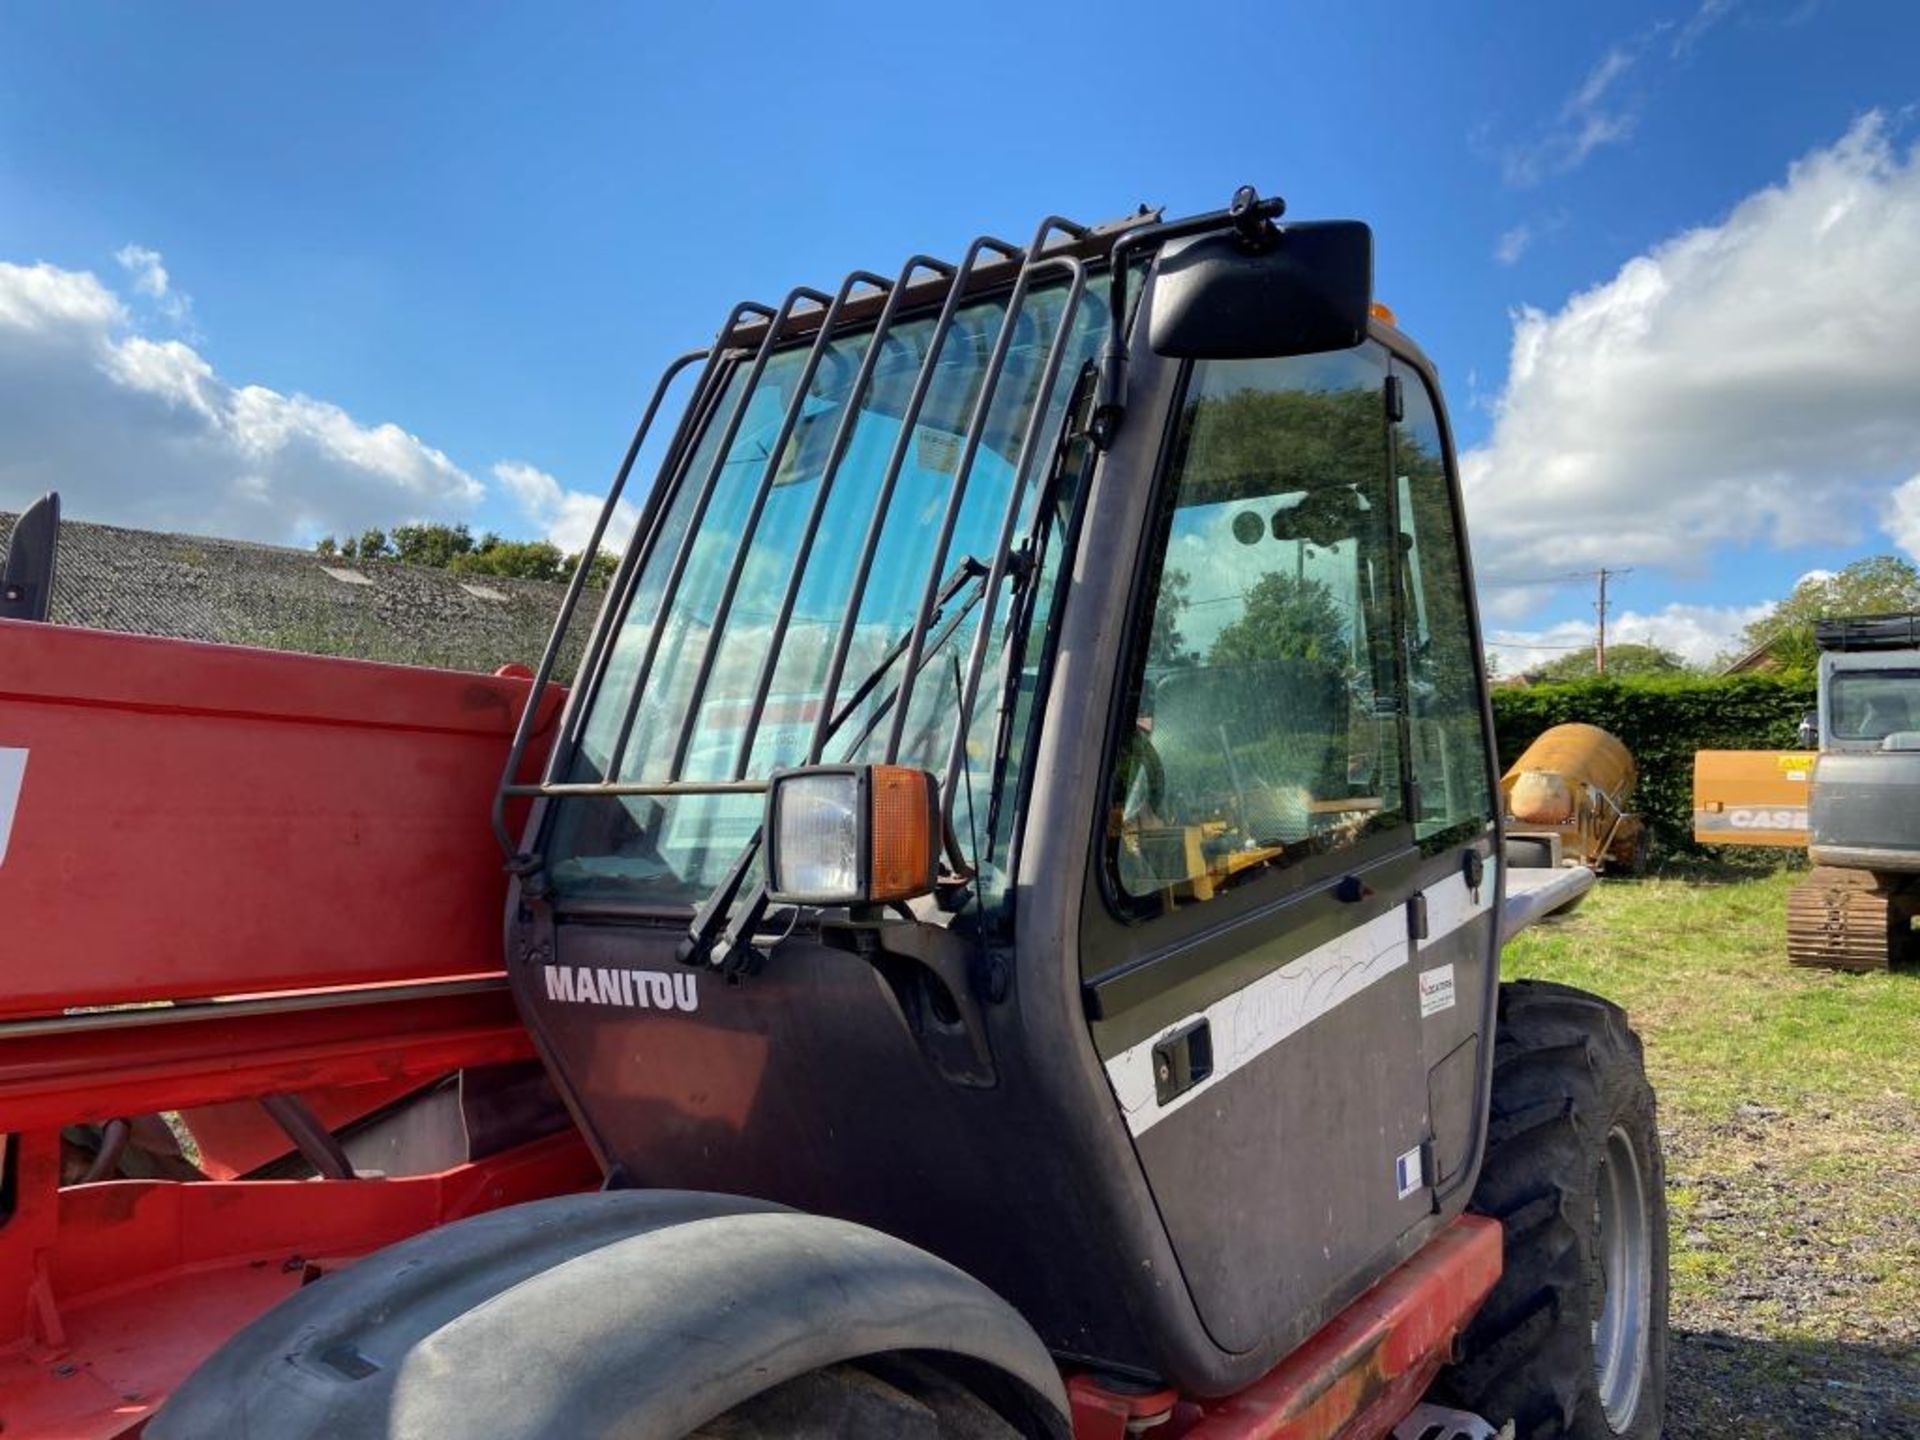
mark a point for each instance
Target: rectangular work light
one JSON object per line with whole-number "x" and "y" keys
{"x": 851, "y": 834}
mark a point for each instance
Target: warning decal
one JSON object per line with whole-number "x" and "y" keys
{"x": 1436, "y": 990}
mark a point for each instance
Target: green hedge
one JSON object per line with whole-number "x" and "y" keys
{"x": 1662, "y": 720}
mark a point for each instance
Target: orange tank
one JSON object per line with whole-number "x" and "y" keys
{"x": 1577, "y": 755}
{"x": 1576, "y": 781}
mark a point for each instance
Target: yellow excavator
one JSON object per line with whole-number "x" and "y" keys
{"x": 1851, "y": 796}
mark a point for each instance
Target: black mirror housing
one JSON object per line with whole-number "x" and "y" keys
{"x": 1302, "y": 290}
{"x": 29, "y": 563}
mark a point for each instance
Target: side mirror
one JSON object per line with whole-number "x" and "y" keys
{"x": 27, "y": 569}
{"x": 1299, "y": 290}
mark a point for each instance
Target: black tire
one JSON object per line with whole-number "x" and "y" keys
{"x": 1572, "y": 1131}
{"x": 877, "y": 1399}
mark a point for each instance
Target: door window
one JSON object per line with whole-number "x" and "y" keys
{"x": 1264, "y": 720}
{"x": 1453, "y": 788}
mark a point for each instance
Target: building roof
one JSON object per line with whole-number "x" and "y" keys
{"x": 1759, "y": 660}
{"x": 193, "y": 587}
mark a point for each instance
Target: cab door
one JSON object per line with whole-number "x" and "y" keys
{"x": 1456, "y": 943}
{"x": 1249, "y": 962}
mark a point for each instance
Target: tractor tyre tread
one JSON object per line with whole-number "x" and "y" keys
{"x": 889, "y": 1397}
{"x": 1567, "y": 1072}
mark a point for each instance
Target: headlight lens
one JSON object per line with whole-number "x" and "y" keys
{"x": 816, "y": 851}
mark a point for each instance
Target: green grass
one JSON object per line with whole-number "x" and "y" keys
{"x": 1789, "y": 1104}
{"x": 1703, "y": 969}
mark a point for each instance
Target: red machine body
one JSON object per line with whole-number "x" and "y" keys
{"x": 230, "y": 873}
{"x": 227, "y": 874}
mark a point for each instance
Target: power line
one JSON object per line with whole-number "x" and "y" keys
{"x": 1568, "y": 578}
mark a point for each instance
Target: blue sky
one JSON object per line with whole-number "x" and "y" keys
{"x": 488, "y": 231}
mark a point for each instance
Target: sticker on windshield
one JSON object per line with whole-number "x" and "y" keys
{"x": 633, "y": 989}
{"x": 939, "y": 452}
{"x": 1436, "y": 990}
{"x": 13, "y": 770}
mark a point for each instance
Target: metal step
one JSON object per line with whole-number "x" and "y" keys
{"x": 1437, "y": 1422}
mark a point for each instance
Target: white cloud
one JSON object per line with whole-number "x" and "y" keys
{"x": 1604, "y": 109}
{"x": 1752, "y": 381}
{"x": 149, "y": 274}
{"x": 1709, "y": 14}
{"x": 150, "y": 279}
{"x": 1505, "y": 603}
{"x": 1696, "y": 633}
{"x": 1589, "y": 118}
{"x": 566, "y": 516}
{"x": 143, "y": 431}
{"x": 1901, "y": 516}
{"x": 1512, "y": 244}
{"x": 45, "y": 298}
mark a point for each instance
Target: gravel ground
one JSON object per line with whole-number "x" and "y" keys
{"x": 1790, "y": 1115}
{"x": 1796, "y": 1337}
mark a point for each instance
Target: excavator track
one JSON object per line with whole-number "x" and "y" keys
{"x": 1847, "y": 920}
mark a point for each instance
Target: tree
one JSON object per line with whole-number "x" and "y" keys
{"x": 1166, "y": 646}
{"x": 1876, "y": 585}
{"x": 514, "y": 559}
{"x": 435, "y": 545}
{"x": 369, "y": 544}
{"x": 453, "y": 547}
{"x": 599, "y": 570}
{"x": 1285, "y": 619}
{"x": 1622, "y": 659}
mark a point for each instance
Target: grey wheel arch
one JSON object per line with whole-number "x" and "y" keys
{"x": 632, "y": 1314}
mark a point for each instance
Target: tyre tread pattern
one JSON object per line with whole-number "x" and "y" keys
{"x": 1567, "y": 1070}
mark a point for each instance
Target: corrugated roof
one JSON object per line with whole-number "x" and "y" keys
{"x": 197, "y": 588}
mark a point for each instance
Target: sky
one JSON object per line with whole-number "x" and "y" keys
{"x": 273, "y": 273}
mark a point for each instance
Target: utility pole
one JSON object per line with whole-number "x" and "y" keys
{"x": 1600, "y": 609}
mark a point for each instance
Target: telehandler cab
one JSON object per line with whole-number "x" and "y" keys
{"x": 1013, "y": 903}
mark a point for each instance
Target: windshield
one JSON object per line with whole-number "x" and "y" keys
{"x": 761, "y": 606}
{"x": 1873, "y": 704}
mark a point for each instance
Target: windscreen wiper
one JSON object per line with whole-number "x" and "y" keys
{"x": 713, "y": 939}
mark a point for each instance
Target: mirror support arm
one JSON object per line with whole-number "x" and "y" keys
{"x": 1248, "y": 214}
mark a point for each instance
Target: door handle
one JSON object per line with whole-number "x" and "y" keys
{"x": 1182, "y": 1060}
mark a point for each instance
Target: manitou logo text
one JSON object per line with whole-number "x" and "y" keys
{"x": 636, "y": 989}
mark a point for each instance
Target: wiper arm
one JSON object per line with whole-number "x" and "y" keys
{"x": 711, "y": 938}
{"x": 932, "y": 648}
{"x": 971, "y": 567}
{"x": 712, "y": 914}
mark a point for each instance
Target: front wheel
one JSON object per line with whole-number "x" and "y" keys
{"x": 1573, "y": 1340}
{"x": 886, "y": 1397}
